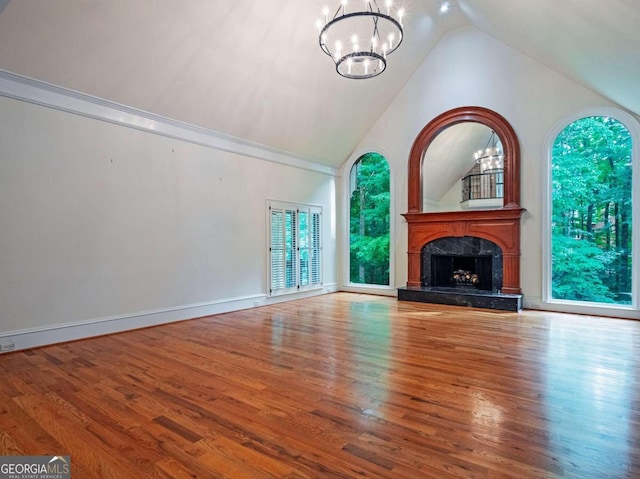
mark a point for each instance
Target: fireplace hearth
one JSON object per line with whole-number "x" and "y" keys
{"x": 462, "y": 297}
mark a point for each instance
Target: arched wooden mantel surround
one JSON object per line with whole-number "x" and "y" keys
{"x": 502, "y": 226}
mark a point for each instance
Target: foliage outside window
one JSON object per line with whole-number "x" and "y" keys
{"x": 592, "y": 212}
{"x": 369, "y": 220}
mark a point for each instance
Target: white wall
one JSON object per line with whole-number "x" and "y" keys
{"x": 106, "y": 227}
{"x": 471, "y": 68}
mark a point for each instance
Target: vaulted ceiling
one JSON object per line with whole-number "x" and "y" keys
{"x": 253, "y": 69}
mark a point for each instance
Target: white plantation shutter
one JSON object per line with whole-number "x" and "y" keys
{"x": 277, "y": 250}
{"x": 294, "y": 248}
{"x": 316, "y": 249}
{"x": 291, "y": 248}
{"x": 304, "y": 247}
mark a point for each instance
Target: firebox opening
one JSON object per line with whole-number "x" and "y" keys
{"x": 463, "y": 272}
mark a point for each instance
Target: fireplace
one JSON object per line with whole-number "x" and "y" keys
{"x": 469, "y": 272}
{"x": 462, "y": 271}
{"x": 465, "y": 263}
{"x": 433, "y": 279}
{"x": 484, "y": 243}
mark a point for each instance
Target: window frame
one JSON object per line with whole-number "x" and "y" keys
{"x": 633, "y": 126}
{"x": 312, "y": 237}
{"x": 390, "y": 289}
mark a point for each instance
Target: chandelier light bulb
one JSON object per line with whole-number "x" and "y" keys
{"x": 338, "y": 53}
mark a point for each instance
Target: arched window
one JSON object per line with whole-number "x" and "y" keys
{"x": 369, "y": 221}
{"x": 592, "y": 215}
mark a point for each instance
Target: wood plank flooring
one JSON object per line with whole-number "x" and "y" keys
{"x": 338, "y": 386}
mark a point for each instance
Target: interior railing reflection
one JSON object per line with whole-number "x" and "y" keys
{"x": 487, "y": 185}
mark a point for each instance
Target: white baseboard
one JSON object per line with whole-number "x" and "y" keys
{"x": 531, "y": 302}
{"x": 326, "y": 289}
{"x": 36, "y": 337}
{"x": 368, "y": 289}
{"x": 331, "y": 288}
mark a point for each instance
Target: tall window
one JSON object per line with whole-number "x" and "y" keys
{"x": 369, "y": 220}
{"x": 295, "y": 248}
{"x": 591, "y": 223}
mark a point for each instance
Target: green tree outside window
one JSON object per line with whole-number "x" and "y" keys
{"x": 591, "y": 174}
{"x": 369, "y": 220}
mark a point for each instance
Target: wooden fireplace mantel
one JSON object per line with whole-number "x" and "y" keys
{"x": 502, "y": 227}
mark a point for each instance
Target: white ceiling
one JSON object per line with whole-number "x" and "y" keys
{"x": 254, "y": 70}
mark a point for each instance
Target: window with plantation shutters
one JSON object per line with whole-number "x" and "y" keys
{"x": 295, "y": 248}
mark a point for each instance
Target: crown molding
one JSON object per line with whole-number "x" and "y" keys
{"x": 48, "y": 95}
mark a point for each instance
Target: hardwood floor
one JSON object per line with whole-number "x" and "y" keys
{"x": 338, "y": 386}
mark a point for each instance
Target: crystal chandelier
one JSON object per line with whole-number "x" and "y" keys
{"x": 359, "y": 38}
{"x": 492, "y": 157}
